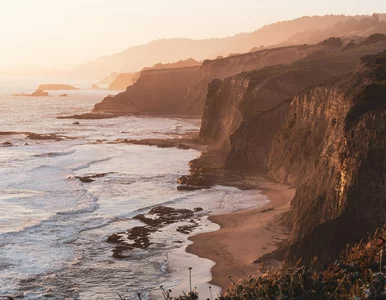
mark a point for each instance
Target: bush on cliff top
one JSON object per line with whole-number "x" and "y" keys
{"x": 359, "y": 273}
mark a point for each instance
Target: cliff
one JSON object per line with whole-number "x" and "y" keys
{"x": 183, "y": 91}
{"x": 239, "y": 98}
{"x": 328, "y": 141}
{"x": 162, "y": 92}
{"x": 122, "y": 81}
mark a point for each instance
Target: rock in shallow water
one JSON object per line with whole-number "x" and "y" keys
{"x": 157, "y": 218}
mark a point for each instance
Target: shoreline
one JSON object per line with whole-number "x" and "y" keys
{"x": 245, "y": 236}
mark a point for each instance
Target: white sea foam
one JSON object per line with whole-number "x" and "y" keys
{"x": 53, "y": 227}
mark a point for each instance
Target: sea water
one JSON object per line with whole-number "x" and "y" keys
{"x": 53, "y": 227}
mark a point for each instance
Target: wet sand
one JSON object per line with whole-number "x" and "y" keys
{"x": 245, "y": 236}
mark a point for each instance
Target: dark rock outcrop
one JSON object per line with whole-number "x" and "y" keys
{"x": 92, "y": 177}
{"x": 6, "y": 144}
{"x": 157, "y": 218}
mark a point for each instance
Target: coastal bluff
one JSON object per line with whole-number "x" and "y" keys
{"x": 317, "y": 125}
{"x": 56, "y": 87}
{"x": 182, "y": 91}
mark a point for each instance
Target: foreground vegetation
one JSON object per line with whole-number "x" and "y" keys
{"x": 359, "y": 273}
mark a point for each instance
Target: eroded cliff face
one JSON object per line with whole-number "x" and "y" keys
{"x": 155, "y": 92}
{"x": 229, "y": 66}
{"x": 182, "y": 91}
{"x": 238, "y": 99}
{"x": 329, "y": 142}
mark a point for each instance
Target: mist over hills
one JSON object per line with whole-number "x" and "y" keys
{"x": 301, "y": 30}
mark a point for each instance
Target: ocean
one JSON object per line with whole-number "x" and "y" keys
{"x": 54, "y": 228}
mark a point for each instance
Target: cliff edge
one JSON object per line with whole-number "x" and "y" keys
{"x": 182, "y": 91}
{"x": 328, "y": 141}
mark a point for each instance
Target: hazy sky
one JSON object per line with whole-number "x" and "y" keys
{"x": 57, "y": 33}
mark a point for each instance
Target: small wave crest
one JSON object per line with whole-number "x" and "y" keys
{"x": 88, "y": 164}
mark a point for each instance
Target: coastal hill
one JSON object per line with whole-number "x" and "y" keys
{"x": 182, "y": 91}
{"x": 171, "y": 50}
{"x": 351, "y": 28}
{"x": 309, "y": 116}
{"x": 53, "y": 87}
{"x": 317, "y": 140}
{"x": 108, "y": 79}
{"x": 123, "y": 80}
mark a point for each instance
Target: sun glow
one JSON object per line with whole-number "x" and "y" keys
{"x": 57, "y": 34}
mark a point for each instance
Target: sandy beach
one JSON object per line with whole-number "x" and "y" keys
{"x": 245, "y": 236}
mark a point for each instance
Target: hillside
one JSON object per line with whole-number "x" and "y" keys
{"x": 123, "y": 80}
{"x": 171, "y": 50}
{"x": 352, "y": 28}
{"x": 155, "y": 90}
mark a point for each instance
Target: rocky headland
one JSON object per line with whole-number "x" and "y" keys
{"x": 310, "y": 118}
{"x": 182, "y": 91}
{"x": 37, "y": 93}
{"x": 327, "y": 141}
{"x": 56, "y": 87}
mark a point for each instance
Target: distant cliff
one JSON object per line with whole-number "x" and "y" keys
{"x": 189, "y": 85}
{"x": 109, "y": 79}
{"x": 122, "y": 81}
{"x": 305, "y": 125}
{"x": 156, "y": 92}
{"x": 52, "y": 87}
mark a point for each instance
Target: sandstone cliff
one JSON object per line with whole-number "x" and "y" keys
{"x": 162, "y": 92}
{"x": 239, "y": 98}
{"x": 183, "y": 91}
{"x": 124, "y": 80}
{"x": 328, "y": 141}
